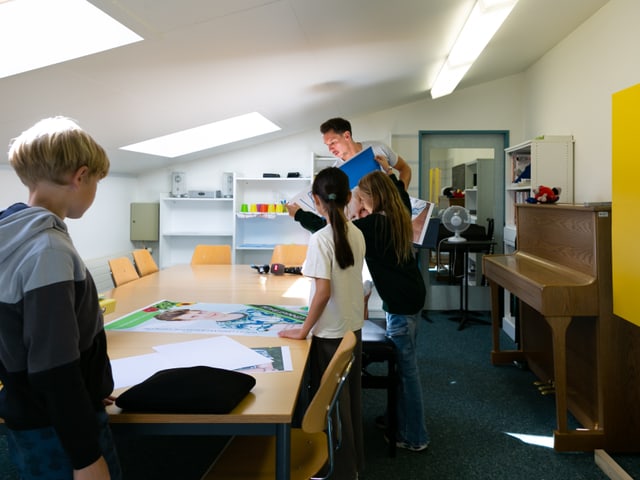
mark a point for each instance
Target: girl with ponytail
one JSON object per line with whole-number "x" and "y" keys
{"x": 335, "y": 258}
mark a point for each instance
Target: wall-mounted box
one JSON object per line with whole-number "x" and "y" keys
{"x": 144, "y": 222}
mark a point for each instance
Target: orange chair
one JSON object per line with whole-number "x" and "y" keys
{"x": 211, "y": 255}
{"x": 290, "y": 255}
{"x": 144, "y": 262}
{"x": 122, "y": 271}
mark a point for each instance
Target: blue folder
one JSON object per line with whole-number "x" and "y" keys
{"x": 358, "y": 166}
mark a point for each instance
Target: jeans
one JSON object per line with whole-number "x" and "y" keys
{"x": 38, "y": 454}
{"x": 402, "y": 331}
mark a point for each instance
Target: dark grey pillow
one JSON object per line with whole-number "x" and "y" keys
{"x": 188, "y": 390}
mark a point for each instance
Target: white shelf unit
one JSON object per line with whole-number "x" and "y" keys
{"x": 187, "y": 222}
{"x": 551, "y": 162}
{"x": 550, "y": 159}
{"x": 255, "y": 233}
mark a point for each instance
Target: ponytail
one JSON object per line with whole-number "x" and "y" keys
{"x": 331, "y": 186}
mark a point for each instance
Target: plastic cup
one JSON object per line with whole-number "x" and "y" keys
{"x": 244, "y": 207}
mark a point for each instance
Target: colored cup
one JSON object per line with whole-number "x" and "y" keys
{"x": 244, "y": 207}
{"x": 271, "y": 208}
{"x": 253, "y": 208}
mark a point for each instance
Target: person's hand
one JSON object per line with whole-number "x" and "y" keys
{"x": 108, "y": 401}
{"x": 98, "y": 470}
{"x": 292, "y": 208}
{"x": 293, "y": 333}
{"x": 384, "y": 163}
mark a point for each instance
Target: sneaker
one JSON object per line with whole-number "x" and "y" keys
{"x": 381, "y": 422}
{"x": 412, "y": 448}
{"x": 407, "y": 446}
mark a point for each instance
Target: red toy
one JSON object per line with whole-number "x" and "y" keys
{"x": 544, "y": 194}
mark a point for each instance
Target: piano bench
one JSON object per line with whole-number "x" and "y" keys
{"x": 378, "y": 348}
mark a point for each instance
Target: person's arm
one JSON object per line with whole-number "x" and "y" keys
{"x": 404, "y": 171}
{"x": 54, "y": 325}
{"x": 318, "y": 303}
{"x": 309, "y": 221}
{"x": 400, "y": 184}
{"x": 98, "y": 470}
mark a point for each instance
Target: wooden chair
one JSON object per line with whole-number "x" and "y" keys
{"x": 289, "y": 255}
{"x": 144, "y": 262}
{"x": 211, "y": 255}
{"x": 122, "y": 271}
{"x": 312, "y": 446}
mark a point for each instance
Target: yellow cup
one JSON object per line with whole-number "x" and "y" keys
{"x": 253, "y": 207}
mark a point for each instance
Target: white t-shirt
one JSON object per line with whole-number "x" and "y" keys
{"x": 378, "y": 148}
{"x": 345, "y": 309}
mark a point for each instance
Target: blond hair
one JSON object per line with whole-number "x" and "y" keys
{"x": 53, "y": 149}
{"x": 385, "y": 198}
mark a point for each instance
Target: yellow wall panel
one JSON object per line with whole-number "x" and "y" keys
{"x": 625, "y": 221}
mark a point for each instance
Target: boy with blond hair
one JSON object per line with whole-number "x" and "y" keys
{"x": 54, "y": 366}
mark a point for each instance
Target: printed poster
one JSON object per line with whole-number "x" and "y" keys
{"x": 219, "y": 319}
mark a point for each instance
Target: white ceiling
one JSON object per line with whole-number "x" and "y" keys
{"x": 298, "y": 62}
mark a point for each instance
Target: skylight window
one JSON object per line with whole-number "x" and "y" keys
{"x": 206, "y": 136}
{"x": 39, "y": 33}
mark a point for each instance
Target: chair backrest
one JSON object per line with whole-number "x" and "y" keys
{"x": 122, "y": 271}
{"x": 317, "y": 418}
{"x": 211, "y": 255}
{"x": 144, "y": 262}
{"x": 290, "y": 255}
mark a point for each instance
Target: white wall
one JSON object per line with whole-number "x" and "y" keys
{"x": 471, "y": 109}
{"x": 569, "y": 91}
{"x": 104, "y": 228}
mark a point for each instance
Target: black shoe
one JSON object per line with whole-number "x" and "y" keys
{"x": 381, "y": 422}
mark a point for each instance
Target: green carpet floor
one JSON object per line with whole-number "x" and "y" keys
{"x": 477, "y": 415}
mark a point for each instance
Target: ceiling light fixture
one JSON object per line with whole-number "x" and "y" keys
{"x": 484, "y": 21}
{"x": 39, "y": 33}
{"x": 206, "y": 136}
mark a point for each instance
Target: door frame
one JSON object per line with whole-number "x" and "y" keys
{"x": 445, "y": 297}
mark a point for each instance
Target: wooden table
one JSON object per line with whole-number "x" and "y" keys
{"x": 269, "y": 408}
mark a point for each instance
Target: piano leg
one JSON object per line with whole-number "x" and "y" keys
{"x": 559, "y": 327}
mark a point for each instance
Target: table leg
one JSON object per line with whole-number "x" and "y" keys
{"x": 283, "y": 451}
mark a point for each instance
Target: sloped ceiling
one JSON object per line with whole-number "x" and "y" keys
{"x": 298, "y": 62}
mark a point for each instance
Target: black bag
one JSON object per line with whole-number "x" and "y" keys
{"x": 197, "y": 389}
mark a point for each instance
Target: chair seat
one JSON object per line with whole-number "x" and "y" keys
{"x": 253, "y": 458}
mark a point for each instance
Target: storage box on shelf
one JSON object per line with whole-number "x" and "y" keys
{"x": 257, "y": 232}
{"x": 186, "y": 222}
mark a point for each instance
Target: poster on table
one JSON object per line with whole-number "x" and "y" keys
{"x": 220, "y": 319}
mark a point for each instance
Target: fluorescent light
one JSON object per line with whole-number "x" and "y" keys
{"x": 39, "y": 33}
{"x": 484, "y": 21}
{"x": 206, "y": 136}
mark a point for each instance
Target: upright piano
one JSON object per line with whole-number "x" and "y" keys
{"x": 567, "y": 333}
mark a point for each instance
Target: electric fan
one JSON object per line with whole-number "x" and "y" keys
{"x": 456, "y": 219}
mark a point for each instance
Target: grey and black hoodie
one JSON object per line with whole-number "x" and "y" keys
{"x": 53, "y": 350}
